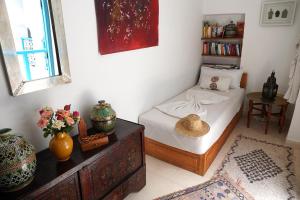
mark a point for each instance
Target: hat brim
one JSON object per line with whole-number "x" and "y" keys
{"x": 193, "y": 133}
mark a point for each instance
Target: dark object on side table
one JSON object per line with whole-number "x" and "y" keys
{"x": 270, "y": 88}
{"x": 109, "y": 172}
{"x": 265, "y": 108}
{"x": 103, "y": 117}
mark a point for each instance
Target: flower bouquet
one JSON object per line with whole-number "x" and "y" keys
{"x": 59, "y": 124}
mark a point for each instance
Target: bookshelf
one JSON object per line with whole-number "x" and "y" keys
{"x": 222, "y": 39}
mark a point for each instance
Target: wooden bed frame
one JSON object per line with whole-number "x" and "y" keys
{"x": 197, "y": 163}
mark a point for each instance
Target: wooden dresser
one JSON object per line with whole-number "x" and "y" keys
{"x": 110, "y": 172}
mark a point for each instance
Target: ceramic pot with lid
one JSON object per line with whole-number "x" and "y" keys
{"x": 17, "y": 161}
{"x": 103, "y": 117}
{"x": 230, "y": 30}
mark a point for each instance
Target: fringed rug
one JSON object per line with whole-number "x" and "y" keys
{"x": 220, "y": 187}
{"x": 264, "y": 169}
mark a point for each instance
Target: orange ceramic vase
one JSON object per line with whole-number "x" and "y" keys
{"x": 61, "y": 145}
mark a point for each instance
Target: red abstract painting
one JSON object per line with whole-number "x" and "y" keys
{"x": 125, "y": 25}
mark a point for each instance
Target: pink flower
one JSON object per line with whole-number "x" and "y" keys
{"x": 46, "y": 114}
{"x": 67, "y": 113}
{"x": 75, "y": 114}
{"x": 70, "y": 121}
{"x": 63, "y": 113}
{"x": 60, "y": 112}
{"x": 41, "y": 111}
{"x": 67, "y": 107}
{"x": 42, "y": 123}
{"x": 59, "y": 117}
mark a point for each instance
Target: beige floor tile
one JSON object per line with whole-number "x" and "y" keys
{"x": 156, "y": 186}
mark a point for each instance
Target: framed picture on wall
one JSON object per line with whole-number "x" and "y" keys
{"x": 125, "y": 25}
{"x": 277, "y": 13}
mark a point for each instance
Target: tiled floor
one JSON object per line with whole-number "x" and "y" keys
{"x": 163, "y": 178}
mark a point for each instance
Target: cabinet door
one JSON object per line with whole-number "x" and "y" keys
{"x": 133, "y": 184}
{"x": 68, "y": 189}
{"x": 100, "y": 177}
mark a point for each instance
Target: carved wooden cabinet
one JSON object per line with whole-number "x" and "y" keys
{"x": 110, "y": 172}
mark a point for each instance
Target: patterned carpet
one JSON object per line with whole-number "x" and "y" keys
{"x": 220, "y": 187}
{"x": 264, "y": 169}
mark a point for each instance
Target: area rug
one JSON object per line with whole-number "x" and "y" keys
{"x": 264, "y": 169}
{"x": 220, "y": 187}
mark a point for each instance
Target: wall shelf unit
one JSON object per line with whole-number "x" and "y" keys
{"x": 222, "y": 39}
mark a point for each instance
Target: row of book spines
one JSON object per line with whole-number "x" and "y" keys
{"x": 221, "y": 66}
{"x": 224, "y": 49}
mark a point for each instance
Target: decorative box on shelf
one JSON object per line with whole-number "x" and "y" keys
{"x": 89, "y": 142}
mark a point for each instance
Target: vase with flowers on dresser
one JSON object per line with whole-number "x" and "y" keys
{"x": 59, "y": 124}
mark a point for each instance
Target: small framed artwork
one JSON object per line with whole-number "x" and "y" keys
{"x": 277, "y": 13}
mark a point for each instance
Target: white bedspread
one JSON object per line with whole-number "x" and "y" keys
{"x": 192, "y": 104}
{"x": 180, "y": 109}
{"x": 161, "y": 127}
{"x": 205, "y": 97}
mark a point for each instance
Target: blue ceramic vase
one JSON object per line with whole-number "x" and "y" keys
{"x": 17, "y": 162}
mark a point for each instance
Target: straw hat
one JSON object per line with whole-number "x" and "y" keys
{"x": 192, "y": 125}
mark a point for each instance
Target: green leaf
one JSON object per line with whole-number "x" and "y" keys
{"x": 45, "y": 134}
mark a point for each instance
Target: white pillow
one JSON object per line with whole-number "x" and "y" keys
{"x": 215, "y": 83}
{"x": 234, "y": 74}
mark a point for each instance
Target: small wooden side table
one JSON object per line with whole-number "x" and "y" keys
{"x": 256, "y": 102}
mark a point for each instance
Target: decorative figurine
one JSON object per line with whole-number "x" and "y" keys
{"x": 17, "y": 162}
{"x": 103, "y": 117}
{"x": 270, "y": 88}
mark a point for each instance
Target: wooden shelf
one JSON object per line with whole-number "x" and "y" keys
{"x": 230, "y": 46}
{"x": 223, "y": 38}
{"x": 221, "y": 56}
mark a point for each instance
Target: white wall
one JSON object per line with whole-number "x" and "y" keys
{"x": 134, "y": 81}
{"x": 264, "y": 48}
{"x": 131, "y": 81}
{"x": 294, "y": 131}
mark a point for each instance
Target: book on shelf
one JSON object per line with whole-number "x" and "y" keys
{"x": 221, "y": 66}
{"x": 221, "y": 49}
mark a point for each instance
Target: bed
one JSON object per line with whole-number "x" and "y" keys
{"x": 193, "y": 154}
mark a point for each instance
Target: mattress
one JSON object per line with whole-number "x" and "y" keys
{"x": 161, "y": 127}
